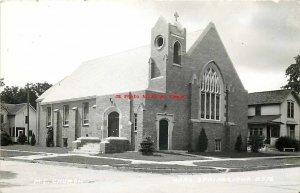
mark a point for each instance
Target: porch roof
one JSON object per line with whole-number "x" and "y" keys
{"x": 264, "y": 119}
{"x": 293, "y": 122}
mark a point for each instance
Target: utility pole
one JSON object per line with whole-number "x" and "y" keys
{"x": 28, "y": 113}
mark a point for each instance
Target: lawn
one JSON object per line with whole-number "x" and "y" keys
{"x": 157, "y": 156}
{"x": 4, "y": 153}
{"x": 36, "y": 148}
{"x": 236, "y": 154}
{"x": 86, "y": 160}
{"x": 251, "y": 163}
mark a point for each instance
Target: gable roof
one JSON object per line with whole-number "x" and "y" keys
{"x": 270, "y": 97}
{"x": 12, "y": 109}
{"x": 117, "y": 73}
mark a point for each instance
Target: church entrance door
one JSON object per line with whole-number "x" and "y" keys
{"x": 113, "y": 124}
{"x": 163, "y": 134}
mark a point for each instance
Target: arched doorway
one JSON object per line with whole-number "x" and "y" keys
{"x": 113, "y": 124}
{"x": 163, "y": 134}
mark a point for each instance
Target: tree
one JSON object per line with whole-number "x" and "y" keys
{"x": 16, "y": 95}
{"x": 256, "y": 142}
{"x": 239, "y": 144}
{"x": 22, "y": 138}
{"x": 203, "y": 142}
{"x": 33, "y": 140}
{"x": 147, "y": 146}
{"x": 293, "y": 74}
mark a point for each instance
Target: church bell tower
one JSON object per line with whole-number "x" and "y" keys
{"x": 168, "y": 44}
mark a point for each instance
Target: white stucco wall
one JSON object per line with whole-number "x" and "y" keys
{"x": 284, "y": 118}
{"x": 270, "y": 110}
{"x": 20, "y": 119}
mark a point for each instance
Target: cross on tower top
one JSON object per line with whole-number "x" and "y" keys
{"x": 176, "y": 16}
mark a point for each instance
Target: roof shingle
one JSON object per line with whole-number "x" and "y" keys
{"x": 268, "y": 97}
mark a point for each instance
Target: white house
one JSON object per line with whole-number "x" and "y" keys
{"x": 274, "y": 114}
{"x": 13, "y": 119}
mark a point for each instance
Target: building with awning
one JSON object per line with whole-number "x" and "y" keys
{"x": 273, "y": 114}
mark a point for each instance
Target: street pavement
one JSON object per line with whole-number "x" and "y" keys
{"x": 23, "y": 177}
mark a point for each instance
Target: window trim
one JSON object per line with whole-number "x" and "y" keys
{"x": 179, "y": 51}
{"x": 64, "y": 116}
{"x": 49, "y": 118}
{"x": 83, "y": 114}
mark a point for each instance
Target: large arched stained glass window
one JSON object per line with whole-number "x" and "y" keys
{"x": 210, "y": 95}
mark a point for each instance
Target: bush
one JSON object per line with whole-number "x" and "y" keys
{"x": 189, "y": 148}
{"x": 22, "y": 138}
{"x": 5, "y": 138}
{"x": 256, "y": 142}
{"x": 286, "y": 142}
{"x": 239, "y": 144}
{"x": 202, "y": 142}
{"x": 33, "y": 140}
{"x": 147, "y": 146}
{"x": 49, "y": 139}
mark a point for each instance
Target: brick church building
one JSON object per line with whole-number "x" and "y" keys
{"x": 169, "y": 90}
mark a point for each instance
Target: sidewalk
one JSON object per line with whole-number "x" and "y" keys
{"x": 205, "y": 165}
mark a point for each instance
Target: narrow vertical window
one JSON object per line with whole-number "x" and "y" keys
{"x": 207, "y": 105}
{"x": 85, "y": 119}
{"x": 177, "y": 53}
{"x": 202, "y": 104}
{"x": 290, "y": 109}
{"x": 292, "y": 131}
{"x": 66, "y": 115}
{"x": 217, "y": 145}
{"x": 135, "y": 121}
{"x": 217, "y": 107}
{"x": 48, "y": 117}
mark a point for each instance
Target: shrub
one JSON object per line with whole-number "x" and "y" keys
{"x": 189, "y": 148}
{"x": 202, "y": 142}
{"x": 33, "y": 140}
{"x": 22, "y": 138}
{"x": 49, "y": 139}
{"x": 286, "y": 142}
{"x": 256, "y": 142}
{"x": 147, "y": 146}
{"x": 239, "y": 144}
{"x": 5, "y": 138}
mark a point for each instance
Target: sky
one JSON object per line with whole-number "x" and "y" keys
{"x": 43, "y": 40}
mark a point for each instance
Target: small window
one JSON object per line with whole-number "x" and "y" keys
{"x": 159, "y": 42}
{"x": 85, "y": 120}
{"x": 49, "y": 116}
{"x": 290, "y": 109}
{"x": 135, "y": 121}
{"x": 177, "y": 53}
{"x": 258, "y": 110}
{"x": 66, "y": 115}
{"x": 218, "y": 145}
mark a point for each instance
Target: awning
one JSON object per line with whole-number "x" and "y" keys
{"x": 264, "y": 119}
{"x": 293, "y": 122}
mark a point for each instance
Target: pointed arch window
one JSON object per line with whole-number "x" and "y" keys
{"x": 210, "y": 95}
{"x": 177, "y": 53}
